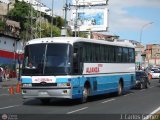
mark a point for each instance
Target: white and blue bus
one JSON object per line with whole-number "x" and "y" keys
{"x": 76, "y": 68}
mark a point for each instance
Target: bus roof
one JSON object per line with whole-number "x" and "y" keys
{"x": 72, "y": 40}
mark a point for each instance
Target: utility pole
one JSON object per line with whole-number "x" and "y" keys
{"x": 52, "y": 20}
{"x": 31, "y": 16}
{"x": 64, "y": 29}
{"x": 40, "y": 35}
{"x": 65, "y": 18}
{"x": 75, "y": 26}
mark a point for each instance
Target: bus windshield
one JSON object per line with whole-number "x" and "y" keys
{"x": 46, "y": 59}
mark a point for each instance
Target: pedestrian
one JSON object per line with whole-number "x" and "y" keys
{"x": 6, "y": 72}
{"x": 147, "y": 73}
{"x": 1, "y": 74}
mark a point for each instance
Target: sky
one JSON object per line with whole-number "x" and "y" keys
{"x": 127, "y": 18}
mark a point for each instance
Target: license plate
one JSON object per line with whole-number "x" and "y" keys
{"x": 43, "y": 93}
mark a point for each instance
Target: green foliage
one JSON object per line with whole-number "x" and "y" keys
{"x": 46, "y": 30}
{"x": 22, "y": 12}
{"x": 21, "y": 9}
{"x": 69, "y": 32}
{"x": 83, "y": 34}
{"x": 2, "y": 25}
{"x": 59, "y": 22}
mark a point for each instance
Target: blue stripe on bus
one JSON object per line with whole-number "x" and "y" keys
{"x": 26, "y": 80}
{"x": 99, "y": 84}
{"x": 105, "y": 84}
{"x": 62, "y": 80}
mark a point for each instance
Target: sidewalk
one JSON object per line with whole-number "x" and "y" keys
{"x": 8, "y": 83}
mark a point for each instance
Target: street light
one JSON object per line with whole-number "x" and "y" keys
{"x": 145, "y": 25}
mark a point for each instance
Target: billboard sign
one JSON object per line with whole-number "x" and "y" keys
{"x": 90, "y": 19}
{"x": 89, "y": 2}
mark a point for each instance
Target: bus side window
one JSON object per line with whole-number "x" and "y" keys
{"x": 78, "y": 59}
{"x": 131, "y": 55}
{"x": 119, "y": 54}
{"x": 81, "y": 60}
{"x": 125, "y": 55}
{"x": 75, "y": 60}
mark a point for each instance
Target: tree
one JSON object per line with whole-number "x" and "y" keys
{"x": 20, "y": 10}
{"x": 46, "y": 30}
{"x": 20, "y": 13}
{"x": 83, "y": 34}
{"x": 59, "y": 22}
{"x": 2, "y": 25}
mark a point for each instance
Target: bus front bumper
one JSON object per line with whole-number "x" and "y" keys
{"x": 47, "y": 93}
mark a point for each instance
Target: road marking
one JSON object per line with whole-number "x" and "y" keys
{"x": 128, "y": 94}
{"x": 151, "y": 114}
{"x": 108, "y": 100}
{"x": 9, "y": 107}
{"x": 77, "y": 110}
{"x": 151, "y": 87}
{"x": 143, "y": 90}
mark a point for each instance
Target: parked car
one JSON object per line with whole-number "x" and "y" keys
{"x": 153, "y": 69}
{"x": 155, "y": 73}
{"x": 141, "y": 80}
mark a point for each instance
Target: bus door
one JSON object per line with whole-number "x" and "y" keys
{"x": 77, "y": 59}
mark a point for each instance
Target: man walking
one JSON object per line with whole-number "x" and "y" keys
{"x": 1, "y": 74}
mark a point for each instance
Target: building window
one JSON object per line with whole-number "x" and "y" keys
{"x": 4, "y": 42}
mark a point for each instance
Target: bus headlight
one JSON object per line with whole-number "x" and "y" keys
{"x": 63, "y": 84}
{"x": 27, "y": 85}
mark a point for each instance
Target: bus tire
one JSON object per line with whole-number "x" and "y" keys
{"x": 45, "y": 100}
{"x": 85, "y": 94}
{"x": 120, "y": 89}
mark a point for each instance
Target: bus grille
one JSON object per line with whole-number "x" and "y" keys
{"x": 44, "y": 84}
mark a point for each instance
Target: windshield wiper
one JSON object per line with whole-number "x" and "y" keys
{"x": 44, "y": 62}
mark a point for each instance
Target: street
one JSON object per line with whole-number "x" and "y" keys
{"x": 136, "y": 102}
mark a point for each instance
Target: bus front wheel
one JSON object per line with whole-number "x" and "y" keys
{"x": 120, "y": 89}
{"x": 45, "y": 100}
{"x": 85, "y": 94}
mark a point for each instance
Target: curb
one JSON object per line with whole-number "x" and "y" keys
{"x": 8, "y": 83}
{"x": 6, "y": 86}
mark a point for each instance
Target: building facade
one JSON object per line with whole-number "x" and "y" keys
{"x": 153, "y": 54}
{"x": 11, "y": 53}
{"x": 5, "y": 6}
{"x": 99, "y": 36}
{"x": 139, "y": 58}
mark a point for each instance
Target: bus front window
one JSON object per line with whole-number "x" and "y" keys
{"x": 47, "y": 59}
{"x": 57, "y": 59}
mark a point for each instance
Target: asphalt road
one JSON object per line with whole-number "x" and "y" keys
{"x": 131, "y": 105}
